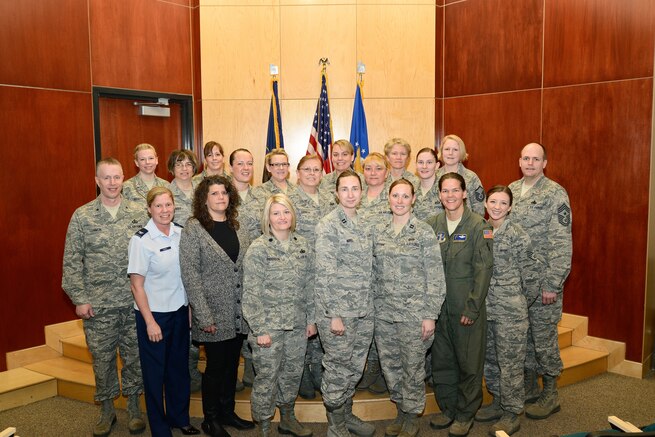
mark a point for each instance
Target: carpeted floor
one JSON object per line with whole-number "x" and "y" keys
{"x": 585, "y": 406}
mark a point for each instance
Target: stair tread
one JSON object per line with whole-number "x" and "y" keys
{"x": 66, "y": 369}
{"x": 16, "y": 379}
{"x": 574, "y": 356}
{"x": 77, "y": 340}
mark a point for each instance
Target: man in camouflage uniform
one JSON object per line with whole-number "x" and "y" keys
{"x": 95, "y": 278}
{"x": 542, "y": 209}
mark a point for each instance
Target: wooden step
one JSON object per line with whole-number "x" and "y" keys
{"x": 74, "y": 374}
{"x": 565, "y": 337}
{"x": 21, "y": 386}
{"x": 75, "y": 347}
{"x": 581, "y": 363}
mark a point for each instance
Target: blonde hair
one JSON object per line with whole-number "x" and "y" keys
{"x": 306, "y": 158}
{"x": 158, "y": 191}
{"x": 282, "y": 199}
{"x": 463, "y": 156}
{"x": 397, "y": 141}
{"x": 144, "y": 146}
{"x": 344, "y": 145}
{"x": 274, "y": 152}
{"x": 377, "y": 157}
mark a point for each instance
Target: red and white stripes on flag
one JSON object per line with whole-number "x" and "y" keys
{"x": 320, "y": 140}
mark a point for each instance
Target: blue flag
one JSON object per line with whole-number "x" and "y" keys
{"x": 358, "y": 129}
{"x": 274, "y": 138}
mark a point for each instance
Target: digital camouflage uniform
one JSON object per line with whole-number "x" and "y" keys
{"x": 544, "y": 212}
{"x": 203, "y": 174}
{"x": 329, "y": 181}
{"x": 409, "y": 288}
{"x": 474, "y": 188}
{"x": 515, "y": 285}
{"x": 458, "y": 351}
{"x": 278, "y": 300}
{"x": 344, "y": 266}
{"x": 136, "y": 190}
{"x": 183, "y": 204}
{"x": 95, "y": 272}
{"x": 308, "y": 214}
{"x": 427, "y": 204}
{"x": 375, "y": 212}
{"x": 411, "y": 177}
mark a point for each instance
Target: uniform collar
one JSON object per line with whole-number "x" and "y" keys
{"x": 154, "y": 231}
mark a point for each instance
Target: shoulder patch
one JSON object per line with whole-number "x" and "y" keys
{"x": 564, "y": 214}
{"x": 479, "y": 194}
{"x": 141, "y": 232}
{"x": 488, "y": 234}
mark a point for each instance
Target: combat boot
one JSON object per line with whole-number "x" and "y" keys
{"x": 106, "y": 420}
{"x": 548, "y": 402}
{"x": 441, "y": 421}
{"x": 136, "y": 425}
{"x": 306, "y": 390}
{"x": 354, "y": 424}
{"x": 490, "y": 412}
{"x": 371, "y": 374}
{"x": 509, "y": 423}
{"x": 460, "y": 429}
{"x": 394, "y": 428}
{"x": 194, "y": 373}
{"x": 289, "y": 424}
{"x": 317, "y": 375}
{"x": 531, "y": 385}
{"x": 248, "y": 372}
{"x": 336, "y": 422}
{"x": 410, "y": 426}
{"x": 263, "y": 428}
{"x": 379, "y": 386}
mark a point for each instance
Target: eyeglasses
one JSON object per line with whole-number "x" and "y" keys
{"x": 183, "y": 164}
{"x": 311, "y": 170}
{"x": 279, "y": 164}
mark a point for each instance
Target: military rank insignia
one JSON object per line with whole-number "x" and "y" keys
{"x": 564, "y": 215}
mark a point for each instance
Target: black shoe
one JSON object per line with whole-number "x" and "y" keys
{"x": 188, "y": 430}
{"x": 231, "y": 419}
{"x": 214, "y": 429}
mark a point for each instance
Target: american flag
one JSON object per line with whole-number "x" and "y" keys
{"x": 320, "y": 140}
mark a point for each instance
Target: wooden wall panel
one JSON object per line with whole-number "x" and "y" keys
{"x": 598, "y": 40}
{"x": 51, "y": 134}
{"x": 397, "y": 44}
{"x": 495, "y": 128}
{"x": 39, "y": 39}
{"x": 302, "y": 48}
{"x": 235, "y": 58}
{"x": 439, "y": 52}
{"x": 123, "y": 129}
{"x": 599, "y": 140}
{"x": 492, "y": 45}
{"x": 141, "y": 44}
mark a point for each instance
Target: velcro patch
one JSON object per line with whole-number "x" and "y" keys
{"x": 564, "y": 215}
{"x": 479, "y": 194}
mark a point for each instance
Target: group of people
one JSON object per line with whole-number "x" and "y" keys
{"x": 335, "y": 283}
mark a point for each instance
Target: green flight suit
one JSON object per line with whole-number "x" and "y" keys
{"x": 458, "y": 351}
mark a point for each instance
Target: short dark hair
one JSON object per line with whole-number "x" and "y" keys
{"x": 453, "y": 175}
{"x": 401, "y": 181}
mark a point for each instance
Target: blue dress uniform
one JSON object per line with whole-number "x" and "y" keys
{"x": 155, "y": 256}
